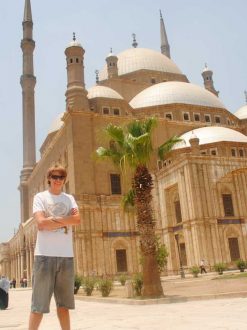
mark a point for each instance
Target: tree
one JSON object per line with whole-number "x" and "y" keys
{"x": 131, "y": 149}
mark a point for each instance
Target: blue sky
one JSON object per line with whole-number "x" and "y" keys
{"x": 212, "y": 31}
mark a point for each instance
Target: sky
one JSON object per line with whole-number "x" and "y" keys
{"x": 199, "y": 32}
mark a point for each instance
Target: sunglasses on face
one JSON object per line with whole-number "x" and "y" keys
{"x": 57, "y": 177}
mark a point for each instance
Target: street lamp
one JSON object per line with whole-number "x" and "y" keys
{"x": 179, "y": 256}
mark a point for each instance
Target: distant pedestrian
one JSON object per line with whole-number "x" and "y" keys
{"x": 202, "y": 266}
{"x": 13, "y": 283}
{"x": 24, "y": 282}
{"x": 4, "y": 292}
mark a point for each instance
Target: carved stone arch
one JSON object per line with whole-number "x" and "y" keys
{"x": 119, "y": 243}
{"x": 226, "y": 189}
{"x": 181, "y": 237}
{"x": 231, "y": 231}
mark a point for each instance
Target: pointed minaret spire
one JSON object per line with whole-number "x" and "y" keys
{"x": 134, "y": 43}
{"x": 27, "y": 12}
{"x": 208, "y": 80}
{"x": 28, "y": 82}
{"x": 165, "y": 47}
{"x": 245, "y": 93}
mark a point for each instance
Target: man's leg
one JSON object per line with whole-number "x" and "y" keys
{"x": 64, "y": 319}
{"x": 34, "y": 320}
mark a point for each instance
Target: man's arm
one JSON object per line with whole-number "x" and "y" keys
{"x": 72, "y": 219}
{"x": 51, "y": 223}
{"x": 45, "y": 223}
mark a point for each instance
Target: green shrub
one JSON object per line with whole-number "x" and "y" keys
{"x": 105, "y": 287}
{"x": 88, "y": 285}
{"x": 77, "y": 283}
{"x": 241, "y": 264}
{"x": 220, "y": 267}
{"x": 138, "y": 283}
{"x": 122, "y": 279}
{"x": 195, "y": 270}
{"x": 161, "y": 254}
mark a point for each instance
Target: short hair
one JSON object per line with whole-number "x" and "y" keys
{"x": 56, "y": 168}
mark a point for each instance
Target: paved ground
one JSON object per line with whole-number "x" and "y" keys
{"x": 213, "y": 314}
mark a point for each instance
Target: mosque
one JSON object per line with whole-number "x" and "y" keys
{"x": 200, "y": 196}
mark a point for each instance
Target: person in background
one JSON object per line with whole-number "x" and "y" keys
{"x": 13, "y": 283}
{"x": 202, "y": 266}
{"x": 4, "y": 292}
{"x": 55, "y": 212}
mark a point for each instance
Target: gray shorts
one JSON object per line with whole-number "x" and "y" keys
{"x": 52, "y": 275}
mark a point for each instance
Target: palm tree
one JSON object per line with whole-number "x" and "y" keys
{"x": 131, "y": 148}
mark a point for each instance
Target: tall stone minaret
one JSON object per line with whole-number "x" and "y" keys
{"x": 76, "y": 94}
{"x": 207, "y": 75}
{"x": 112, "y": 67}
{"x": 165, "y": 47}
{"x": 28, "y": 82}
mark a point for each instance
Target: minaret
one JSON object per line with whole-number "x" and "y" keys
{"x": 76, "y": 94}
{"x": 208, "y": 80}
{"x": 112, "y": 67}
{"x": 165, "y": 47}
{"x": 28, "y": 82}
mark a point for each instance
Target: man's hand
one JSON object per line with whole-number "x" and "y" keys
{"x": 74, "y": 211}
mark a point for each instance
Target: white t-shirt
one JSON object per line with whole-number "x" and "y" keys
{"x": 55, "y": 243}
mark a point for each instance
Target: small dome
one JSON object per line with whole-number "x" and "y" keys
{"x": 241, "y": 113}
{"x": 56, "y": 124}
{"x": 175, "y": 92}
{"x": 102, "y": 91}
{"x": 135, "y": 59}
{"x": 211, "y": 135}
{"x": 74, "y": 43}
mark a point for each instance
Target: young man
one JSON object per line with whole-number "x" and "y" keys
{"x": 55, "y": 212}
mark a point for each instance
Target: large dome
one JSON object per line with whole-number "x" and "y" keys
{"x": 135, "y": 59}
{"x": 57, "y": 123}
{"x": 175, "y": 92}
{"x": 241, "y": 113}
{"x": 102, "y": 91}
{"x": 211, "y": 135}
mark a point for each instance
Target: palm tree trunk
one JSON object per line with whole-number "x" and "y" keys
{"x": 142, "y": 185}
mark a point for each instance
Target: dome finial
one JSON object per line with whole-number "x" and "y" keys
{"x": 74, "y": 38}
{"x": 245, "y": 93}
{"x": 111, "y": 50}
{"x": 97, "y": 76}
{"x": 160, "y": 14}
{"x": 134, "y": 43}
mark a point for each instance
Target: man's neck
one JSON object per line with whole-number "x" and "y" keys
{"x": 55, "y": 191}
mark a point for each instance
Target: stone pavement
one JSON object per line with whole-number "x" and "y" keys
{"x": 214, "y": 314}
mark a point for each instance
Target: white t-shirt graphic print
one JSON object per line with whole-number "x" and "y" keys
{"x": 54, "y": 243}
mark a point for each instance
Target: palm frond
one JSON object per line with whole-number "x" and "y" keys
{"x": 109, "y": 153}
{"x": 128, "y": 200}
{"x": 116, "y": 133}
{"x": 167, "y": 146}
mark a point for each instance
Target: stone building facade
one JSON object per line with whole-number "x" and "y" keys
{"x": 200, "y": 200}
